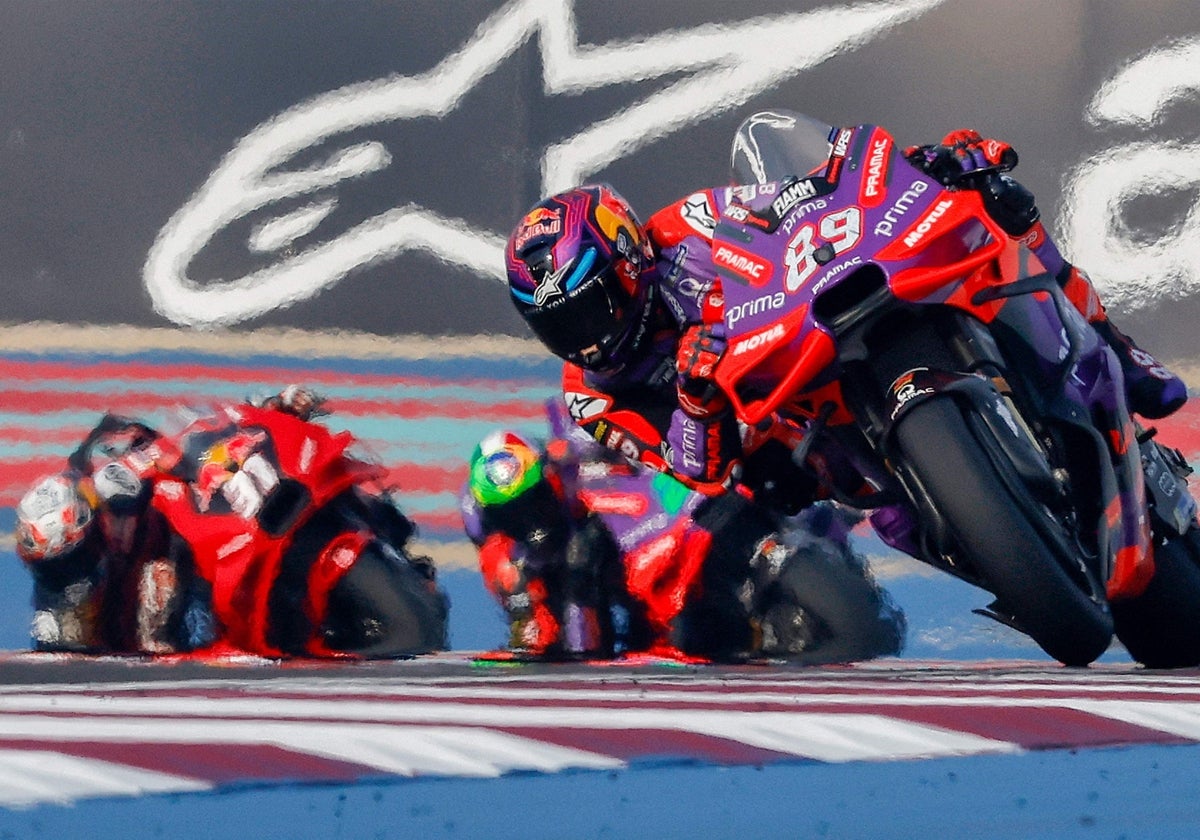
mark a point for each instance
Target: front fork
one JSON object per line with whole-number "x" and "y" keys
{"x": 1093, "y": 407}
{"x": 971, "y": 371}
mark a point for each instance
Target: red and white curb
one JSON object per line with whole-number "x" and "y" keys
{"x": 59, "y": 743}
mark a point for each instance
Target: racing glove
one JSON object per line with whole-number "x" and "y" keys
{"x": 966, "y": 159}
{"x": 703, "y": 453}
{"x": 961, "y": 156}
{"x": 700, "y": 349}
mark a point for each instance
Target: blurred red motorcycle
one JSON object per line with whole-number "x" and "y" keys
{"x": 252, "y": 529}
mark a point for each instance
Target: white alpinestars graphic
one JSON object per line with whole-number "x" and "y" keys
{"x": 1130, "y": 269}
{"x": 550, "y": 286}
{"x": 698, "y": 214}
{"x": 585, "y": 406}
{"x": 707, "y": 70}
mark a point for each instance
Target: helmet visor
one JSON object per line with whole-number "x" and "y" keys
{"x": 587, "y": 324}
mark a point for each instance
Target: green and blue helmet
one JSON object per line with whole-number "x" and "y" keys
{"x": 504, "y": 466}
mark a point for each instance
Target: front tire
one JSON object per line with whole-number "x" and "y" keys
{"x": 826, "y": 608}
{"x": 385, "y": 607}
{"x": 996, "y": 532}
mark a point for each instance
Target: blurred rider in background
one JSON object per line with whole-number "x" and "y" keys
{"x": 592, "y": 556}
{"x": 118, "y": 570}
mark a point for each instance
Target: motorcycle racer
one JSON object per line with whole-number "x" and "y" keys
{"x": 592, "y": 556}
{"x": 630, "y": 309}
{"x": 209, "y": 541}
{"x": 624, "y": 305}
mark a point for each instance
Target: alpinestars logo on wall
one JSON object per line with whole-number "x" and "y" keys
{"x": 1134, "y": 268}
{"x": 722, "y": 67}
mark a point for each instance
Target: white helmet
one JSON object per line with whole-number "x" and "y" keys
{"x": 52, "y": 518}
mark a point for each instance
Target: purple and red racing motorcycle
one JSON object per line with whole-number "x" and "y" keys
{"x": 942, "y": 381}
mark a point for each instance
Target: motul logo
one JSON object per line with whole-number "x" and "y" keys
{"x": 742, "y": 263}
{"x": 756, "y": 341}
{"x": 918, "y": 233}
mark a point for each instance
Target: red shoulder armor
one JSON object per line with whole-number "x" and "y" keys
{"x": 585, "y": 402}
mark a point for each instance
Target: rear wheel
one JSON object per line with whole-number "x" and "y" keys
{"x": 1161, "y": 627}
{"x": 1007, "y": 537}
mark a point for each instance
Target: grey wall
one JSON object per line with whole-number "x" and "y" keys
{"x": 356, "y": 164}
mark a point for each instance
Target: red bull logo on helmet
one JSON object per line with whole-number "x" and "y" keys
{"x": 541, "y": 221}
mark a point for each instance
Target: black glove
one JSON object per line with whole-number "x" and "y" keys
{"x": 962, "y": 157}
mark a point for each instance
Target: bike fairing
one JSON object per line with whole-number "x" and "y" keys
{"x": 232, "y": 464}
{"x": 865, "y": 227}
{"x": 797, "y": 349}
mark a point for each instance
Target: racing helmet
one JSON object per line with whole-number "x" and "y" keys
{"x": 580, "y": 272}
{"x": 53, "y": 519}
{"x": 503, "y": 466}
{"x": 515, "y": 492}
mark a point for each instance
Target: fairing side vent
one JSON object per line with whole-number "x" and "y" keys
{"x": 852, "y": 298}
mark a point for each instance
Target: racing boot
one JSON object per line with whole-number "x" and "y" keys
{"x": 896, "y": 525}
{"x": 582, "y": 636}
{"x": 1150, "y": 388}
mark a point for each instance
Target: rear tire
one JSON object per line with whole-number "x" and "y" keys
{"x": 996, "y": 532}
{"x": 1161, "y": 627}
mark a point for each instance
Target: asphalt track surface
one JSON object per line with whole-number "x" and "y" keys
{"x": 452, "y": 746}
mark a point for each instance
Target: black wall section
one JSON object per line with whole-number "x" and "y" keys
{"x": 115, "y": 115}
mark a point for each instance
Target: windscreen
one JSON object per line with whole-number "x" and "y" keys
{"x": 773, "y": 145}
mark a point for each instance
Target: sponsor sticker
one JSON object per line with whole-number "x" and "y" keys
{"x": 742, "y": 263}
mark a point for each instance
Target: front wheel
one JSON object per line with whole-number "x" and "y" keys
{"x": 1007, "y": 538}
{"x": 827, "y": 608}
{"x": 384, "y": 607}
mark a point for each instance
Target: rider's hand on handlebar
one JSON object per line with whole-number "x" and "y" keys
{"x": 977, "y": 152}
{"x": 700, "y": 348}
{"x": 963, "y": 156}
